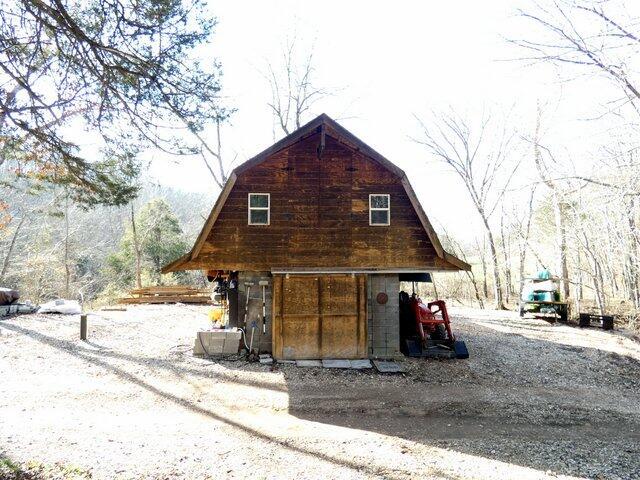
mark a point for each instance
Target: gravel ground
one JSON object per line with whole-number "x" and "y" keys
{"x": 535, "y": 400}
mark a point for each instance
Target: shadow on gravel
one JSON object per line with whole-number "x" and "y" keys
{"x": 87, "y": 356}
{"x": 151, "y": 362}
{"x": 520, "y": 419}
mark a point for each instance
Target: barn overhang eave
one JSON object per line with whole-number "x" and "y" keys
{"x": 452, "y": 264}
{"x": 371, "y": 271}
{"x": 178, "y": 264}
{"x": 353, "y": 271}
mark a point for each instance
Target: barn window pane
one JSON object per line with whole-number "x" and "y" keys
{"x": 379, "y": 209}
{"x": 259, "y": 217}
{"x": 379, "y": 217}
{"x": 379, "y": 201}
{"x": 259, "y": 208}
{"x": 259, "y": 200}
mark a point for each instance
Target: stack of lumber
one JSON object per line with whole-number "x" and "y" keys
{"x": 167, "y": 294}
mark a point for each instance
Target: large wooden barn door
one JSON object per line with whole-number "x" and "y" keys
{"x": 319, "y": 316}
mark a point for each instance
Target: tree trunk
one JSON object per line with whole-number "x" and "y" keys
{"x": 596, "y": 276}
{"x": 598, "y": 286}
{"x": 483, "y": 263}
{"x": 609, "y": 267}
{"x": 136, "y": 248}
{"x": 157, "y": 261}
{"x": 472, "y": 278}
{"x": 156, "y": 270}
{"x": 579, "y": 287}
{"x": 497, "y": 284}
{"x": 7, "y": 257}
{"x": 521, "y": 266}
{"x": 506, "y": 260}
{"x": 523, "y": 242}
{"x": 67, "y": 269}
{"x": 521, "y": 263}
{"x": 561, "y": 242}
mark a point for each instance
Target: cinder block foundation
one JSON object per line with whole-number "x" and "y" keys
{"x": 383, "y": 319}
{"x": 216, "y": 342}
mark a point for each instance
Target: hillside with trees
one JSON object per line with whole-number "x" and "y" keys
{"x": 53, "y": 248}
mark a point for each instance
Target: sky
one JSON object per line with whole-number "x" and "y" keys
{"x": 386, "y": 63}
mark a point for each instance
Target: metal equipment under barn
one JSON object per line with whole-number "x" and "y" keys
{"x": 426, "y": 328}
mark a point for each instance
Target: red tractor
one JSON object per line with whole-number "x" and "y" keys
{"x": 426, "y": 329}
{"x": 431, "y": 320}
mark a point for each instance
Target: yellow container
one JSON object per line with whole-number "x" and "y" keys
{"x": 216, "y": 314}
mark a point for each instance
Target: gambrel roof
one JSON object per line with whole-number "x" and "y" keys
{"x": 325, "y": 125}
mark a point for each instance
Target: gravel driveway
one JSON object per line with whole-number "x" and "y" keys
{"x": 535, "y": 400}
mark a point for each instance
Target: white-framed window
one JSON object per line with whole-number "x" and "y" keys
{"x": 379, "y": 209}
{"x": 259, "y": 209}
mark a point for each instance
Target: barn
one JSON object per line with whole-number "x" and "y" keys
{"x": 326, "y": 228}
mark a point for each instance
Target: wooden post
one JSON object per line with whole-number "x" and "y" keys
{"x": 83, "y": 327}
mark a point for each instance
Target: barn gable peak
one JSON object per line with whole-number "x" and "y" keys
{"x": 324, "y": 125}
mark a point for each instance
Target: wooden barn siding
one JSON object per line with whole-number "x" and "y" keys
{"x": 319, "y": 215}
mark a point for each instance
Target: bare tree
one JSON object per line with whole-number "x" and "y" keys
{"x": 482, "y": 159}
{"x": 596, "y": 35}
{"x": 293, "y": 89}
{"x": 212, "y": 155}
{"x": 602, "y": 38}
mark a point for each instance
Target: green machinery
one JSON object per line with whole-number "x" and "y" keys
{"x": 541, "y": 294}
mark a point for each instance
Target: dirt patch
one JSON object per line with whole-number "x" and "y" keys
{"x": 534, "y": 400}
